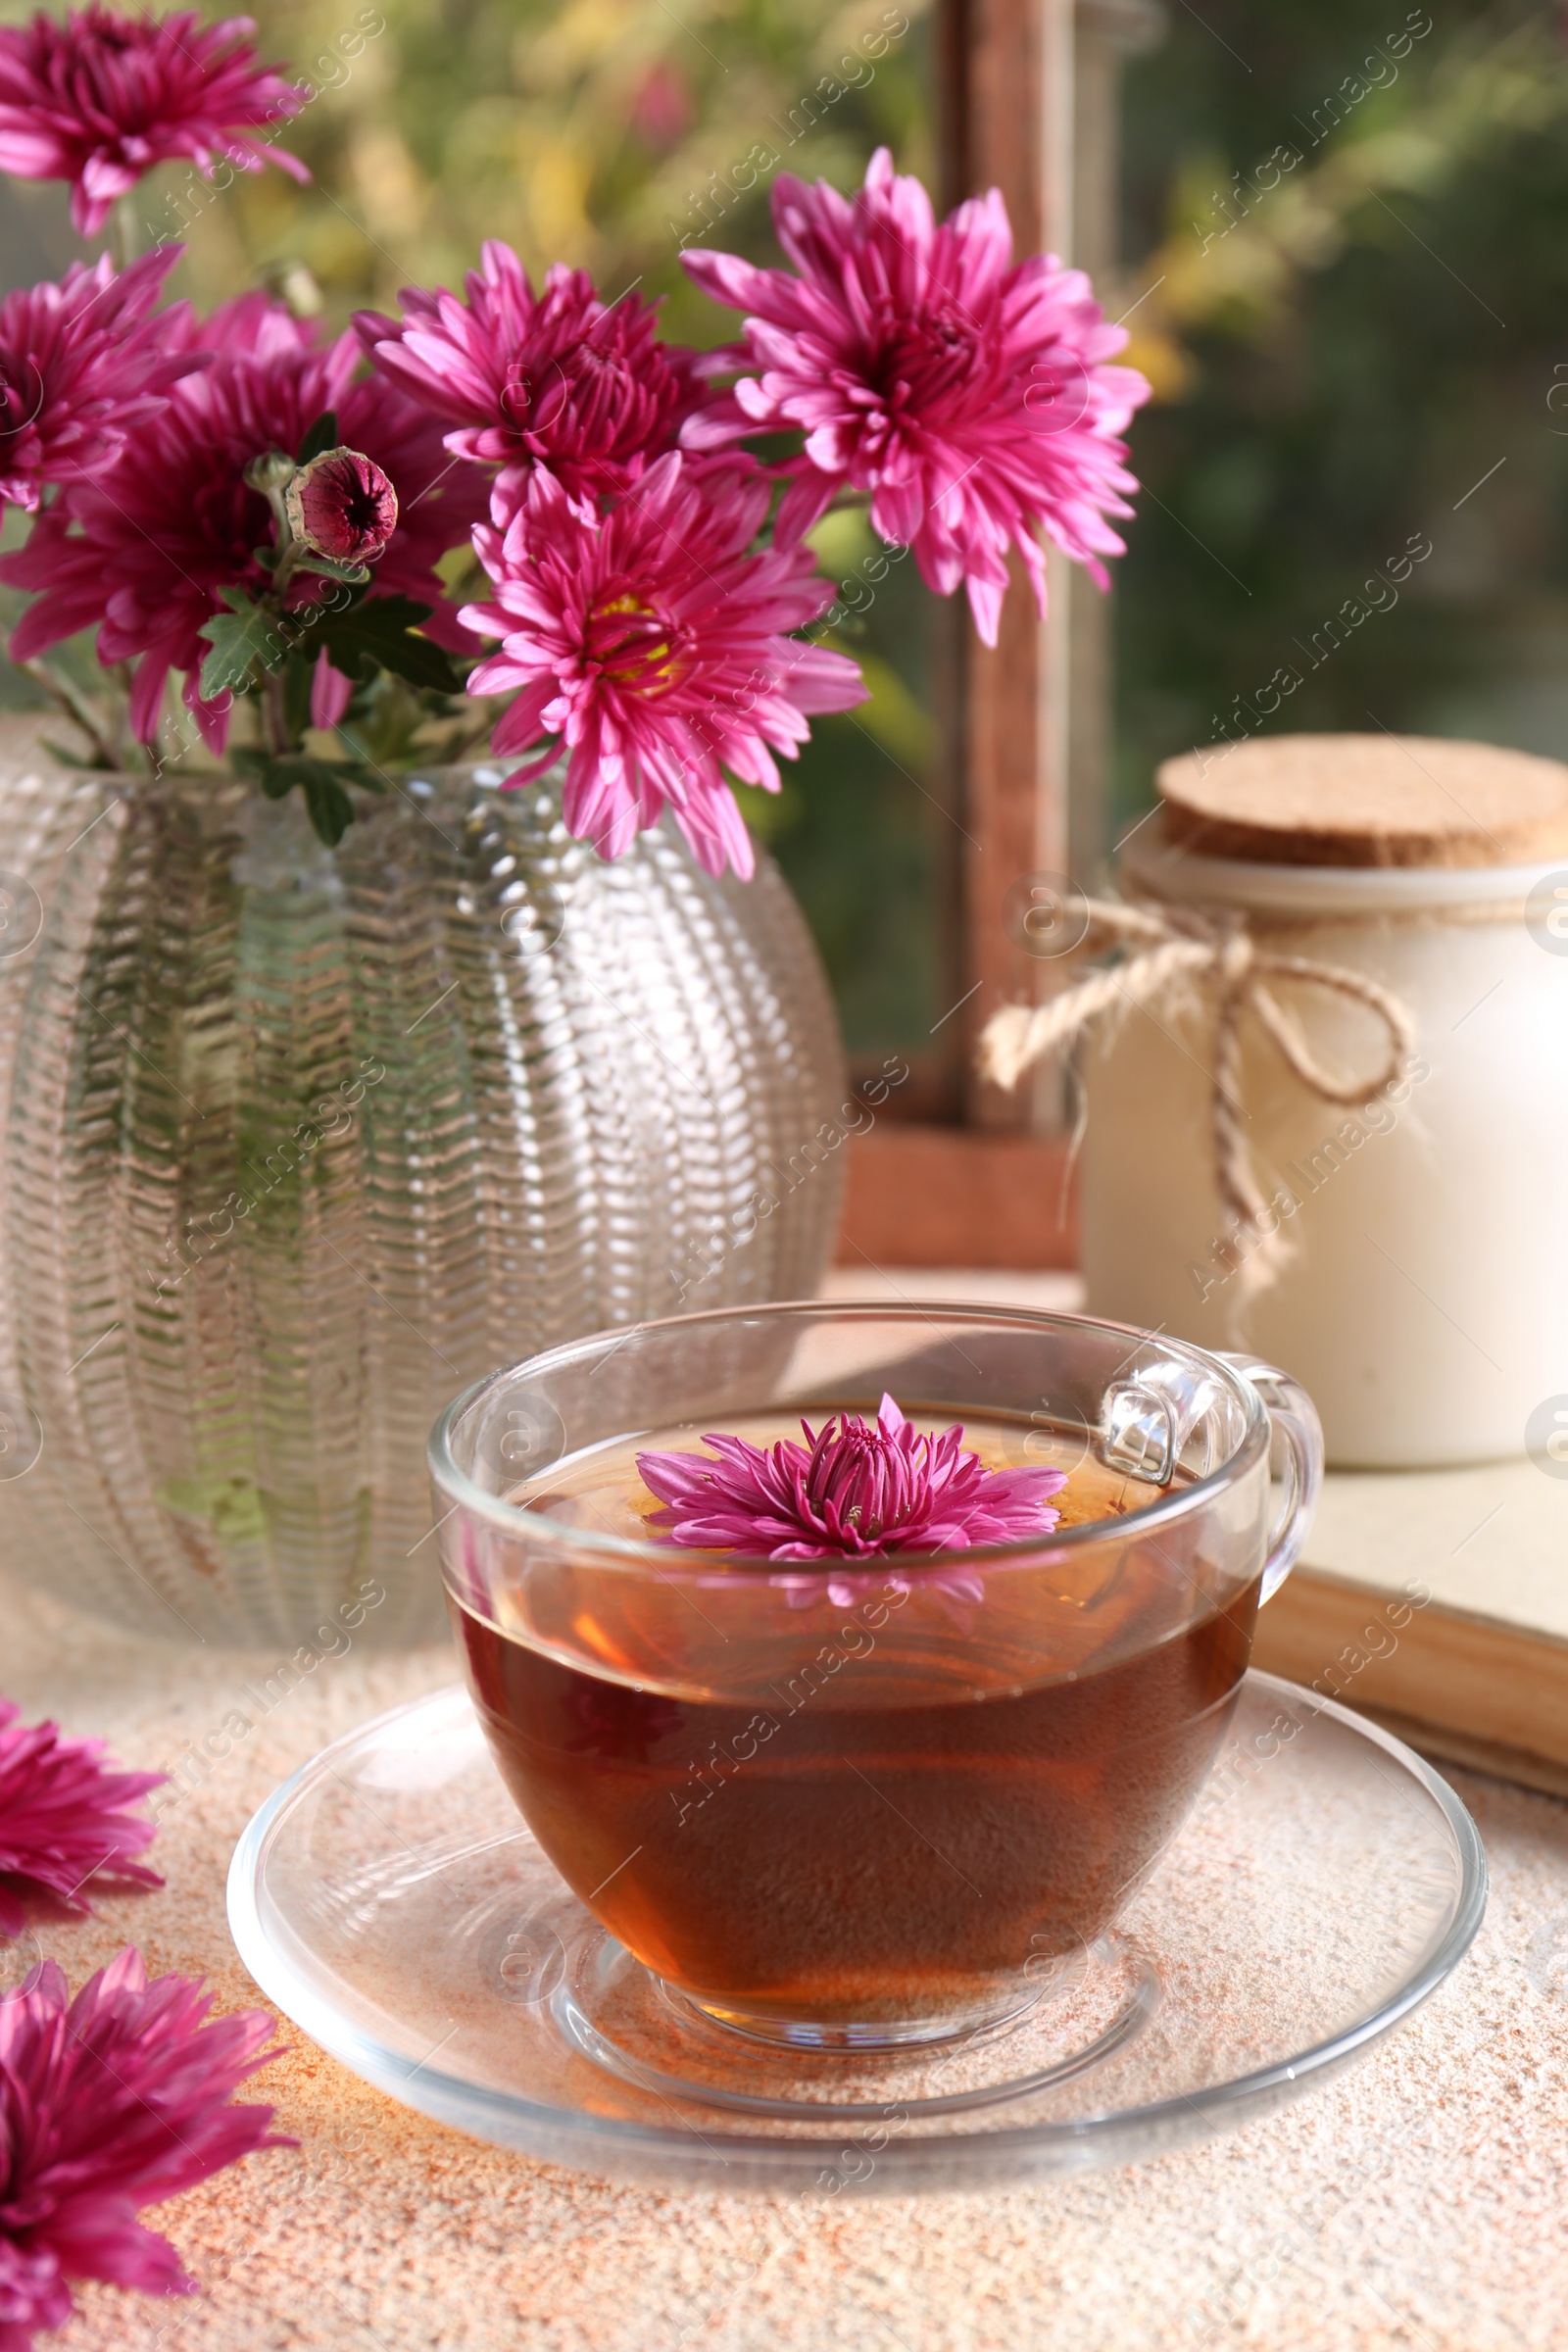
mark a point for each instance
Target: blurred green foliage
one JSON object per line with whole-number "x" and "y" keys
{"x": 1366, "y": 343}
{"x": 598, "y": 132}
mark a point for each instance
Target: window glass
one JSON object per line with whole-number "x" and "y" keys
{"x": 1345, "y": 230}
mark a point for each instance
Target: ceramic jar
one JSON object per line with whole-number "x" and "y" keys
{"x": 1422, "y": 1292}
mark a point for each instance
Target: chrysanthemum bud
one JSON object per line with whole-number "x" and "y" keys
{"x": 270, "y": 471}
{"x": 342, "y": 505}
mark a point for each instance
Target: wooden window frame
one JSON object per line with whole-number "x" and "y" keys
{"x": 1028, "y": 93}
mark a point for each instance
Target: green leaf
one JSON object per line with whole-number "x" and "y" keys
{"x": 66, "y": 759}
{"x": 239, "y": 638}
{"x": 320, "y": 436}
{"x": 357, "y": 574}
{"x": 233, "y": 1509}
{"x": 297, "y": 695}
{"x": 331, "y": 809}
{"x": 378, "y": 635}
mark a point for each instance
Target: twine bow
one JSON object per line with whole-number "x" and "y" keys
{"x": 1173, "y": 949}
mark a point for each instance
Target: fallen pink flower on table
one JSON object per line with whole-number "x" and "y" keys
{"x": 110, "y": 2102}
{"x": 64, "y": 1820}
{"x": 967, "y": 394}
{"x": 98, "y": 99}
{"x": 855, "y": 1489}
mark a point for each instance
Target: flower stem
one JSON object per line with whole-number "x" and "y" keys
{"x": 124, "y": 233}
{"x": 274, "y": 715}
{"x": 69, "y": 698}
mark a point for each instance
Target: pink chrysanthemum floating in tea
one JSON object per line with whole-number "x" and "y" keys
{"x": 968, "y": 394}
{"x": 654, "y": 644}
{"x": 81, "y": 365}
{"x": 854, "y": 1489}
{"x": 109, "y": 2102}
{"x": 560, "y": 378}
{"x": 64, "y": 1819}
{"x": 98, "y": 98}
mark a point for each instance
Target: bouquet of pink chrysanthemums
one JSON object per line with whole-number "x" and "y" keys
{"x": 263, "y": 511}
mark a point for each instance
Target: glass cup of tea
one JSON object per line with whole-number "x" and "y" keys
{"x": 834, "y": 1790}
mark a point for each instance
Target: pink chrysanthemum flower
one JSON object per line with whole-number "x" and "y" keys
{"x": 62, "y": 1819}
{"x": 655, "y": 647}
{"x": 330, "y": 693}
{"x": 852, "y": 1491}
{"x": 342, "y": 505}
{"x": 144, "y": 551}
{"x": 81, "y": 364}
{"x": 968, "y": 395}
{"x": 109, "y": 2102}
{"x": 559, "y": 379}
{"x": 98, "y": 99}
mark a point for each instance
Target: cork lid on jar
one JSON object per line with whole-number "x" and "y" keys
{"x": 1367, "y": 800}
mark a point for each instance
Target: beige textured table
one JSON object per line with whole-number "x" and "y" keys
{"x": 1418, "y": 2201}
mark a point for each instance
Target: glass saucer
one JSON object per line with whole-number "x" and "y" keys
{"x": 389, "y": 1900}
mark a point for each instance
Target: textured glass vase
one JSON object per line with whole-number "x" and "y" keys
{"x": 299, "y": 1141}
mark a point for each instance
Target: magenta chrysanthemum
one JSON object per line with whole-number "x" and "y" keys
{"x": 655, "y": 647}
{"x": 144, "y": 549}
{"x": 98, "y": 99}
{"x": 81, "y": 364}
{"x": 109, "y": 2102}
{"x": 968, "y": 395}
{"x": 330, "y": 693}
{"x": 851, "y": 1491}
{"x": 64, "y": 1819}
{"x": 559, "y": 379}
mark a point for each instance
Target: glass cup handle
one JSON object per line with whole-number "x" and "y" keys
{"x": 1294, "y": 1418}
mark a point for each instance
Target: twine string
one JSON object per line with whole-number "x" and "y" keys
{"x": 1171, "y": 950}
